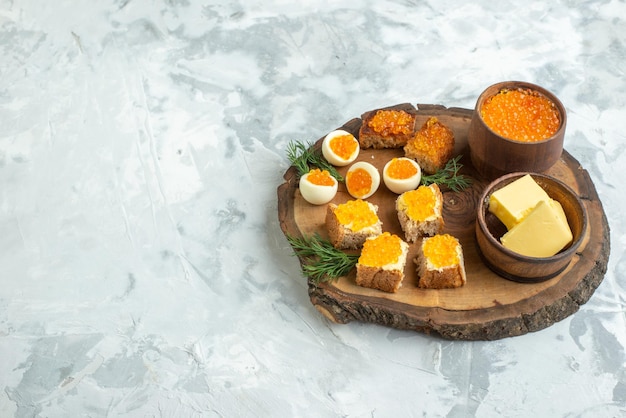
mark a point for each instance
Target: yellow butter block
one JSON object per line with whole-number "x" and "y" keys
{"x": 514, "y": 201}
{"x": 542, "y": 233}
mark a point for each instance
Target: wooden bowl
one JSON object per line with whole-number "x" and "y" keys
{"x": 517, "y": 267}
{"x": 494, "y": 155}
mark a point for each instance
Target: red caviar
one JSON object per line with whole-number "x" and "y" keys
{"x": 382, "y": 250}
{"x": 392, "y": 122}
{"x": 420, "y": 203}
{"x": 320, "y": 178}
{"x": 441, "y": 250}
{"x": 401, "y": 168}
{"x": 357, "y": 214}
{"x": 359, "y": 182}
{"x": 343, "y": 146}
{"x": 521, "y": 115}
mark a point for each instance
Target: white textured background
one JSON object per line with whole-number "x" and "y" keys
{"x": 142, "y": 268}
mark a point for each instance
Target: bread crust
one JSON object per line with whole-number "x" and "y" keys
{"x": 379, "y": 278}
{"x": 368, "y": 138}
{"x": 413, "y": 229}
{"x": 431, "y": 146}
{"x": 444, "y": 278}
{"x": 344, "y": 238}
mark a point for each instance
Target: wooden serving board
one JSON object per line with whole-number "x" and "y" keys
{"x": 488, "y": 306}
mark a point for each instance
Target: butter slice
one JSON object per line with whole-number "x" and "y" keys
{"x": 513, "y": 202}
{"x": 542, "y": 233}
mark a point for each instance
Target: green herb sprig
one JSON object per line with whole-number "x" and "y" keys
{"x": 449, "y": 176}
{"x": 321, "y": 261}
{"x": 304, "y": 156}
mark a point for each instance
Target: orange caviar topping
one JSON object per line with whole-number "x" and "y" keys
{"x": 320, "y": 178}
{"x": 431, "y": 138}
{"x": 356, "y": 214}
{"x": 380, "y": 251}
{"x": 441, "y": 250}
{"x": 420, "y": 203}
{"x": 401, "y": 168}
{"x": 343, "y": 146}
{"x": 521, "y": 115}
{"x": 392, "y": 122}
{"x": 359, "y": 182}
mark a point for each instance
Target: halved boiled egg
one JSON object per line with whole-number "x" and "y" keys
{"x": 362, "y": 180}
{"x": 340, "y": 148}
{"x": 318, "y": 187}
{"x": 401, "y": 175}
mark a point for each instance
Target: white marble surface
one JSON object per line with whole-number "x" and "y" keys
{"x": 143, "y": 270}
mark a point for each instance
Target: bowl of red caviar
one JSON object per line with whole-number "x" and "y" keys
{"x": 516, "y": 126}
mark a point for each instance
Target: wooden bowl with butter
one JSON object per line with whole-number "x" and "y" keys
{"x": 538, "y": 229}
{"x": 516, "y": 126}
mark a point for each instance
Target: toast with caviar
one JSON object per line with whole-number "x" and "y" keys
{"x": 440, "y": 263}
{"x": 381, "y": 263}
{"x": 387, "y": 128}
{"x": 350, "y": 223}
{"x": 431, "y": 146}
{"x": 420, "y": 212}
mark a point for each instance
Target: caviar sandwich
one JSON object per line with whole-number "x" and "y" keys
{"x": 350, "y": 223}
{"x": 420, "y": 212}
{"x": 440, "y": 262}
{"x": 382, "y": 261}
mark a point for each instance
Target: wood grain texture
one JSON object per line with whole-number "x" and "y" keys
{"x": 488, "y": 307}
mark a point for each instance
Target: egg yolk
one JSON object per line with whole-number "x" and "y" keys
{"x": 391, "y": 122}
{"x": 382, "y": 250}
{"x": 359, "y": 182}
{"x": 320, "y": 178}
{"x": 420, "y": 203}
{"x": 441, "y": 250}
{"x": 343, "y": 146}
{"x": 356, "y": 213}
{"x": 401, "y": 169}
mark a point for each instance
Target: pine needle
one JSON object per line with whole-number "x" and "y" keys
{"x": 449, "y": 176}
{"x": 321, "y": 261}
{"x": 304, "y": 156}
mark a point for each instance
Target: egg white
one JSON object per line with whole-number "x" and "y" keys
{"x": 315, "y": 193}
{"x": 330, "y": 155}
{"x": 373, "y": 173}
{"x": 400, "y": 186}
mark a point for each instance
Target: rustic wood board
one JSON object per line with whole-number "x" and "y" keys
{"x": 488, "y": 307}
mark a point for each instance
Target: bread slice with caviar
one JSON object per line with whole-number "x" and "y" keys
{"x": 350, "y": 223}
{"x": 440, "y": 263}
{"x": 420, "y": 212}
{"x": 387, "y": 128}
{"x": 431, "y": 146}
{"x": 381, "y": 263}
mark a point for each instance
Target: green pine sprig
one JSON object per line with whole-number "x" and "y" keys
{"x": 449, "y": 176}
{"x": 304, "y": 156}
{"x": 322, "y": 262}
